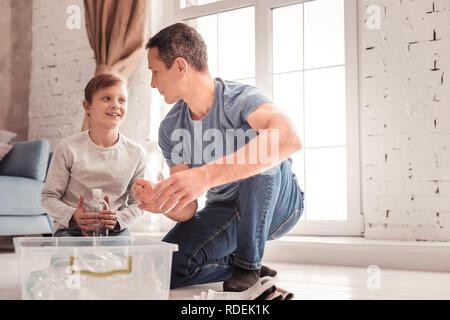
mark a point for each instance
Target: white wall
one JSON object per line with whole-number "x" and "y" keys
{"x": 405, "y": 120}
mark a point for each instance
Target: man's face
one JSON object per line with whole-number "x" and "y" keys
{"x": 167, "y": 81}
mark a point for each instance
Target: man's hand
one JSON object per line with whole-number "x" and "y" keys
{"x": 179, "y": 190}
{"x": 108, "y": 217}
{"x": 84, "y": 220}
{"x": 144, "y": 193}
{"x": 173, "y": 194}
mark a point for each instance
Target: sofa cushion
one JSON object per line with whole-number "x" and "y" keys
{"x": 23, "y": 225}
{"x": 28, "y": 159}
{"x": 4, "y": 149}
{"x": 20, "y": 196}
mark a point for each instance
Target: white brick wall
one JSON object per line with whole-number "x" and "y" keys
{"x": 62, "y": 63}
{"x": 405, "y": 114}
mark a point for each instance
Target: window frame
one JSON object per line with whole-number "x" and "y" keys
{"x": 354, "y": 225}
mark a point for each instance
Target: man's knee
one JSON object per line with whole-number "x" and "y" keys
{"x": 182, "y": 269}
{"x": 179, "y": 270}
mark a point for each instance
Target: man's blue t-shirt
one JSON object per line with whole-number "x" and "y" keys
{"x": 222, "y": 131}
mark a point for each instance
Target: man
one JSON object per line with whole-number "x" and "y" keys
{"x": 222, "y": 138}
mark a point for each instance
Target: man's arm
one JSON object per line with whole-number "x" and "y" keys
{"x": 190, "y": 209}
{"x": 277, "y": 138}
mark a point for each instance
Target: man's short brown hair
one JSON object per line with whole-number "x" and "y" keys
{"x": 101, "y": 81}
{"x": 180, "y": 40}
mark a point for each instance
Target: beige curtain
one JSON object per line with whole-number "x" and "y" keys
{"x": 117, "y": 32}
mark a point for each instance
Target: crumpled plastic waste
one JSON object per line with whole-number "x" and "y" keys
{"x": 264, "y": 289}
{"x": 61, "y": 280}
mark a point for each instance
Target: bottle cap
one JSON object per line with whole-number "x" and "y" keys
{"x": 96, "y": 193}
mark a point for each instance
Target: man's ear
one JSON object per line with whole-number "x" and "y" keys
{"x": 181, "y": 65}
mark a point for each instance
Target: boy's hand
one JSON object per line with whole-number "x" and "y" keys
{"x": 83, "y": 219}
{"x": 108, "y": 216}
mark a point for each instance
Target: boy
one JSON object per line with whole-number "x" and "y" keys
{"x": 99, "y": 158}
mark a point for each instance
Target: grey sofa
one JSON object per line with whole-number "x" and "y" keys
{"x": 22, "y": 175}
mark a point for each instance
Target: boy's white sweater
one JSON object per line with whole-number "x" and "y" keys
{"x": 78, "y": 166}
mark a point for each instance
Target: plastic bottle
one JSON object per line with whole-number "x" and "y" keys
{"x": 101, "y": 204}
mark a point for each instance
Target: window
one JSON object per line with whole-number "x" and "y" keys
{"x": 223, "y": 33}
{"x": 302, "y": 54}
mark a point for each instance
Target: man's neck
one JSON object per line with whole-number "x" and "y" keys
{"x": 200, "y": 97}
{"x": 104, "y": 137}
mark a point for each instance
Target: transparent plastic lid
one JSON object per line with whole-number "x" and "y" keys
{"x": 120, "y": 241}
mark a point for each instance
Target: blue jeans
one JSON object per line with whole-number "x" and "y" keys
{"x": 233, "y": 233}
{"x": 77, "y": 233}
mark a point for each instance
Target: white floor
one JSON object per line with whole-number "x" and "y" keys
{"x": 305, "y": 281}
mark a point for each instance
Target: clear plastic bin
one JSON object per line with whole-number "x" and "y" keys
{"x": 94, "y": 268}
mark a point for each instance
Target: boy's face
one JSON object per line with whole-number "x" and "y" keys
{"x": 108, "y": 107}
{"x": 167, "y": 81}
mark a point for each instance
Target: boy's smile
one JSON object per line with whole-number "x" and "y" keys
{"x": 113, "y": 115}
